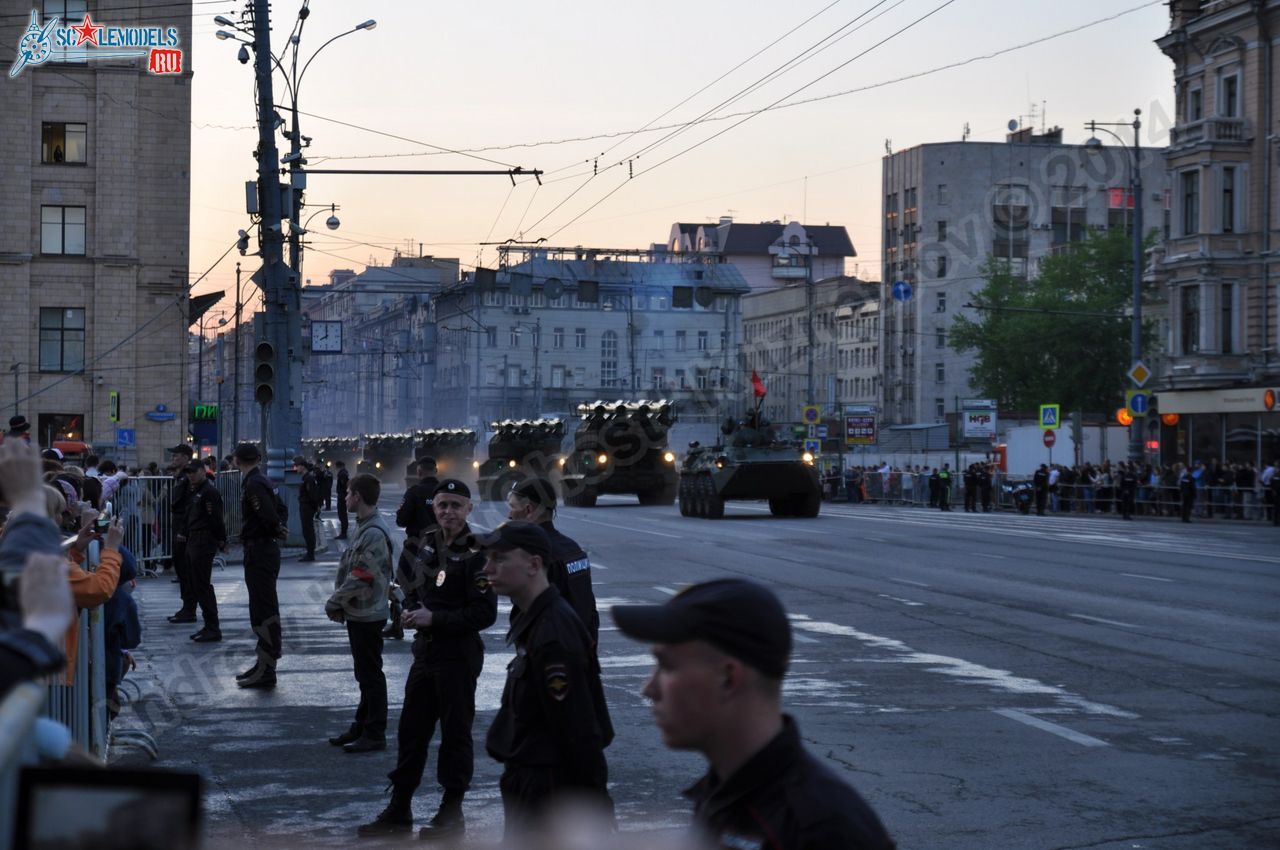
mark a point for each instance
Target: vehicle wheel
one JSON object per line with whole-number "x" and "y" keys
{"x": 697, "y": 504}
{"x": 587, "y": 498}
{"x": 807, "y": 506}
{"x": 780, "y": 507}
{"x": 714, "y": 504}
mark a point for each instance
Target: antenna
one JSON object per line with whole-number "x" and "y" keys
{"x": 965, "y": 137}
{"x": 888, "y": 147}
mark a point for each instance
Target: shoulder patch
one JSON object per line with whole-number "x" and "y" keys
{"x": 482, "y": 583}
{"x": 557, "y": 677}
{"x": 578, "y": 565}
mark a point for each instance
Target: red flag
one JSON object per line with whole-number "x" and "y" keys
{"x": 757, "y": 385}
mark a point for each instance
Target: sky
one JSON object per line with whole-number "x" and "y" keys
{"x": 524, "y": 84}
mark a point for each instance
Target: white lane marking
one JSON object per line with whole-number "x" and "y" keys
{"x": 909, "y": 581}
{"x": 900, "y": 599}
{"x": 966, "y": 671}
{"x": 1052, "y": 728}
{"x": 1148, "y": 578}
{"x": 667, "y": 590}
{"x": 799, "y": 638}
{"x": 1104, "y": 621}
{"x": 627, "y": 528}
{"x": 596, "y": 565}
{"x": 990, "y": 555}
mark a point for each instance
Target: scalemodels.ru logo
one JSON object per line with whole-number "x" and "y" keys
{"x": 68, "y": 43}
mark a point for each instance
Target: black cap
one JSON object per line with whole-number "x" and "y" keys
{"x": 193, "y": 465}
{"x": 454, "y": 486}
{"x": 517, "y": 535}
{"x": 299, "y": 460}
{"x": 19, "y": 424}
{"x": 738, "y": 617}
{"x": 183, "y": 448}
{"x": 537, "y": 490}
{"x": 247, "y": 453}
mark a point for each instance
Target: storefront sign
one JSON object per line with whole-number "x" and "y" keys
{"x": 1245, "y": 400}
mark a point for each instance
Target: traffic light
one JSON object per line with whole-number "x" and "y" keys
{"x": 1124, "y": 417}
{"x": 264, "y": 372}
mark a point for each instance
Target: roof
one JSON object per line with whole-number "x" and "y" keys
{"x": 829, "y": 240}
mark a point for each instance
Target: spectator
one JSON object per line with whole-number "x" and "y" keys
{"x": 91, "y": 467}
{"x": 122, "y": 630}
{"x": 19, "y": 427}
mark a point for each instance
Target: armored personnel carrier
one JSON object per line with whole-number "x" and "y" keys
{"x": 749, "y": 463}
{"x": 518, "y": 449}
{"x": 384, "y": 455}
{"x": 451, "y": 448}
{"x": 326, "y": 450}
{"x": 621, "y": 447}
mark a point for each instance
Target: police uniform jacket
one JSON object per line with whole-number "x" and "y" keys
{"x": 553, "y": 711}
{"x": 179, "y": 501}
{"x": 262, "y": 523}
{"x": 449, "y": 582}
{"x": 415, "y": 514}
{"x": 343, "y": 478}
{"x": 204, "y": 515}
{"x": 785, "y": 799}
{"x": 311, "y": 491}
{"x": 570, "y": 573}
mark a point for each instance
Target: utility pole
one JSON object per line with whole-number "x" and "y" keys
{"x": 810, "y": 307}
{"x": 537, "y": 369}
{"x": 235, "y": 381}
{"x": 15, "y": 369}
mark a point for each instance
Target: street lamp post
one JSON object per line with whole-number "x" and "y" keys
{"x": 1134, "y": 152}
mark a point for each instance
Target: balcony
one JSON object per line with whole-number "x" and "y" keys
{"x": 1210, "y": 131}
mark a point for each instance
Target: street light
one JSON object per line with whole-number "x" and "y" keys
{"x": 1134, "y": 151}
{"x": 200, "y": 355}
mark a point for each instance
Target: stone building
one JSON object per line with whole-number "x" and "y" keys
{"x": 95, "y": 173}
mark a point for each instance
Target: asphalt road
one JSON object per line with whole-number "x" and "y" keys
{"x": 986, "y": 681}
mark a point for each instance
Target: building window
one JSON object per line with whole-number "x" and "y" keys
{"x": 513, "y": 376}
{"x": 557, "y": 377}
{"x": 940, "y": 305}
{"x": 944, "y": 195}
{"x": 1190, "y": 316}
{"x": 63, "y": 143}
{"x": 940, "y": 408}
{"x": 659, "y": 339}
{"x": 940, "y": 338}
{"x": 62, "y": 230}
{"x": 1195, "y": 104}
{"x": 942, "y": 231}
{"x": 557, "y": 337}
{"x": 702, "y": 340}
{"x": 940, "y": 372}
{"x": 681, "y": 382}
{"x": 658, "y": 378}
{"x": 493, "y": 298}
{"x": 1190, "y": 188}
{"x": 682, "y": 339}
{"x": 1229, "y": 199}
{"x": 515, "y": 336}
{"x": 701, "y": 378}
{"x": 491, "y": 336}
{"x": 579, "y": 337}
{"x": 1229, "y": 96}
{"x": 61, "y": 339}
{"x": 724, "y": 340}
{"x": 1228, "y": 315}
{"x": 942, "y": 266}
{"x": 609, "y": 359}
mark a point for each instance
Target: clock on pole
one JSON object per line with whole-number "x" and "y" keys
{"x": 326, "y": 337}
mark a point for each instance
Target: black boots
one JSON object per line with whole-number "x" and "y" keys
{"x": 397, "y": 817}
{"x": 448, "y": 822}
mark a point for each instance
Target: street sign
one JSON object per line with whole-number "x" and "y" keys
{"x": 860, "y": 429}
{"x": 113, "y": 406}
{"x": 811, "y": 432}
{"x": 901, "y": 291}
{"x": 811, "y": 414}
{"x": 1138, "y": 402}
{"x": 1139, "y": 374}
{"x": 126, "y": 438}
{"x": 1050, "y": 438}
{"x": 813, "y": 446}
{"x": 822, "y": 432}
{"x": 1049, "y": 416}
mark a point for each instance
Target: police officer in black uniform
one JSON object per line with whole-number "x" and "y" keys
{"x": 723, "y": 649}
{"x": 310, "y": 495}
{"x": 985, "y": 486}
{"x": 569, "y": 568}
{"x": 326, "y": 483}
{"x": 449, "y": 602}
{"x": 206, "y": 534}
{"x": 1128, "y": 489}
{"x": 1040, "y": 483}
{"x": 263, "y": 529}
{"x": 971, "y": 489}
{"x": 179, "y": 500}
{"x": 553, "y": 724}
{"x": 415, "y": 516}
{"x": 344, "y": 478}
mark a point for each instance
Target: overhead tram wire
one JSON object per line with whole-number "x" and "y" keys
{"x": 699, "y": 144}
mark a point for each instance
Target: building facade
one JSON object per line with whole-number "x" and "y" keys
{"x": 1217, "y": 268}
{"x": 95, "y": 170}
{"x": 858, "y": 370}
{"x": 949, "y": 207}
{"x": 768, "y": 254}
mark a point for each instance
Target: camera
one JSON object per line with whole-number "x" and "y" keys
{"x": 397, "y": 593}
{"x": 103, "y": 522}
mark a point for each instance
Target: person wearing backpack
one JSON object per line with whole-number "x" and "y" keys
{"x": 310, "y": 497}
{"x": 265, "y": 525}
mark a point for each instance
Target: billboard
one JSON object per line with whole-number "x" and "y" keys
{"x": 860, "y": 429}
{"x": 979, "y": 418}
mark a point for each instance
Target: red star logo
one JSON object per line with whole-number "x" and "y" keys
{"x": 88, "y": 32}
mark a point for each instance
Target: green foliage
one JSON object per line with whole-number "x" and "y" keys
{"x": 1062, "y": 337}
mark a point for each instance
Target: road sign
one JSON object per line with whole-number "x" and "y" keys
{"x": 126, "y": 438}
{"x": 813, "y": 446}
{"x": 822, "y": 432}
{"x": 1049, "y": 416}
{"x": 1139, "y": 374}
{"x": 1138, "y": 402}
{"x": 811, "y": 414}
{"x": 1050, "y": 438}
{"x": 811, "y": 432}
{"x": 113, "y": 406}
{"x": 901, "y": 291}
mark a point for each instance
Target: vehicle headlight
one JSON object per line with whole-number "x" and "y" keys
{"x": 377, "y": 465}
{"x": 807, "y": 457}
{"x": 561, "y": 461}
{"x": 475, "y": 464}
{"x": 669, "y": 457}
{"x": 512, "y": 463}
{"x": 602, "y": 459}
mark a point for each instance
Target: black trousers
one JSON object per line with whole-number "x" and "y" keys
{"x": 1042, "y": 496}
{"x": 183, "y": 571}
{"x": 200, "y": 554}
{"x": 971, "y": 499}
{"x": 441, "y": 688}
{"x": 342, "y": 514}
{"x": 986, "y": 499}
{"x": 529, "y": 792}
{"x": 261, "y": 569}
{"x": 1127, "y": 499}
{"x": 307, "y": 514}
{"x": 1188, "y": 501}
{"x": 366, "y": 653}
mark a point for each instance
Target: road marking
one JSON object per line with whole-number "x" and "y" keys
{"x": 1052, "y": 728}
{"x": 990, "y": 555}
{"x": 900, "y": 599}
{"x": 1101, "y": 620}
{"x": 909, "y": 581}
{"x": 1148, "y": 578}
{"x": 628, "y": 528}
{"x": 799, "y": 638}
{"x": 596, "y": 565}
{"x": 667, "y": 590}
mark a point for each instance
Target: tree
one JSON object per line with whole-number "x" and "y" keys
{"x": 1062, "y": 337}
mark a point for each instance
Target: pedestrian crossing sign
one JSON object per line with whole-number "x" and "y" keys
{"x": 1049, "y": 417}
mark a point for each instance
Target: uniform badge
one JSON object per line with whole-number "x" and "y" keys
{"x": 440, "y": 578}
{"x": 482, "y": 583}
{"x": 557, "y": 681}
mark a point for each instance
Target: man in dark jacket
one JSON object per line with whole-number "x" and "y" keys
{"x": 343, "y": 480}
{"x": 310, "y": 495}
{"x": 263, "y": 529}
{"x": 553, "y": 725}
{"x": 179, "y": 498}
{"x": 206, "y": 534}
{"x": 1040, "y": 483}
{"x": 722, "y": 649}
{"x": 415, "y": 516}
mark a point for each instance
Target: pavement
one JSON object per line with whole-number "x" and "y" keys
{"x": 985, "y": 680}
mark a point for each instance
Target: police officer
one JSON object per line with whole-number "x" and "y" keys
{"x": 569, "y": 568}
{"x": 1128, "y": 489}
{"x": 722, "y": 649}
{"x": 985, "y": 486}
{"x": 343, "y": 478}
{"x": 310, "y": 495}
{"x": 944, "y": 488}
{"x": 206, "y": 534}
{"x": 449, "y": 602}
{"x": 971, "y": 489}
{"x": 1040, "y": 483}
{"x": 553, "y": 724}
{"x": 415, "y": 516}
{"x": 326, "y": 482}
{"x": 179, "y": 500}
{"x": 263, "y": 529}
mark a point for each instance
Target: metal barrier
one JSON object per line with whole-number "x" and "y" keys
{"x": 232, "y": 505}
{"x": 144, "y": 505}
{"x": 18, "y": 713}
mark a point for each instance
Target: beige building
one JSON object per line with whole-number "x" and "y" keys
{"x": 858, "y": 369}
{"x": 1217, "y": 270}
{"x": 95, "y": 176}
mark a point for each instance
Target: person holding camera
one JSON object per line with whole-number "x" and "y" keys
{"x": 264, "y": 527}
{"x": 360, "y": 600}
{"x": 206, "y": 534}
{"x": 449, "y": 602}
